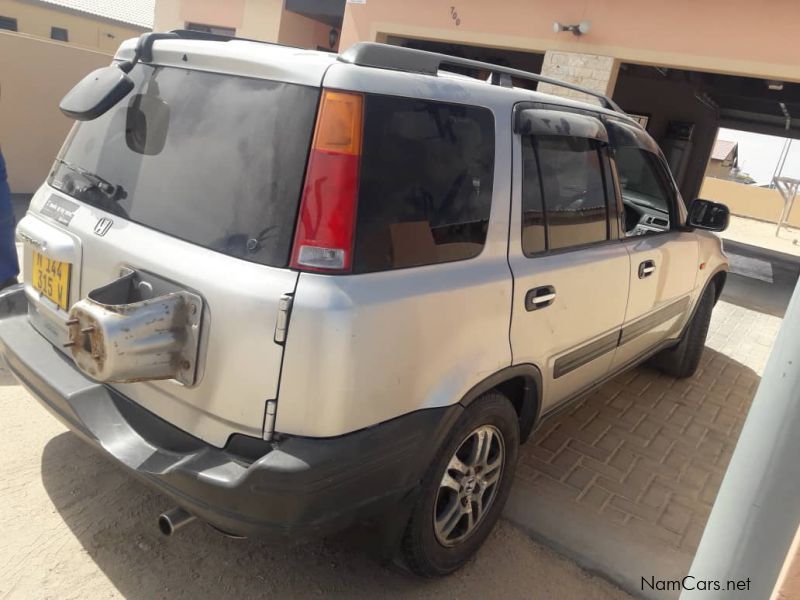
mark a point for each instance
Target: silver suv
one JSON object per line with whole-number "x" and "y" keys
{"x": 294, "y": 290}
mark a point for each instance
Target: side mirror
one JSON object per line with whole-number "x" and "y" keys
{"x": 712, "y": 216}
{"x": 96, "y": 93}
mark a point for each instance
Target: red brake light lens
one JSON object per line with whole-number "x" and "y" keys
{"x": 324, "y": 235}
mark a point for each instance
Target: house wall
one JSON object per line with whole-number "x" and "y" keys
{"x": 718, "y": 169}
{"x": 297, "y": 30}
{"x": 641, "y": 31}
{"x": 84, "y": 30}
{"x": 748, "y": 200}
{"x": 208, "y": 12}
{"x": 257, "y": 19}
{"x": 32, "y": 127}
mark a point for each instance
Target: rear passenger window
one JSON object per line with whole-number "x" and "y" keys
{"x": 563, "y": 193}
{"x": 426, "y": 183}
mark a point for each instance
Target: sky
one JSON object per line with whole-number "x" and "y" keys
{"x": 758, "y": 154}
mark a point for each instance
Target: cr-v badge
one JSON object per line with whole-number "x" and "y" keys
{"x": 102, "y": 226}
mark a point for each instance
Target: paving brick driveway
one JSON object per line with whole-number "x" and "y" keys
{"x": 648, "y": 452}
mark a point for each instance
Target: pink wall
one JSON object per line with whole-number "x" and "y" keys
{"x": 297, "y": 30}
{"x": 724, "y": 35}
{"x": 207, "y": 12}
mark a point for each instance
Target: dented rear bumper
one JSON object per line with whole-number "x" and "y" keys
{"x": 13, "y": 301}
{"x": 289, "y": 490}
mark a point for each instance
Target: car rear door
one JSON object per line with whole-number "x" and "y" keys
{"x": 664, "y": 257}
{"x": 193, "y": 179}
{"x": 571, "y": 273}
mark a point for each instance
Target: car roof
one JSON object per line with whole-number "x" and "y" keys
{"x": 255, "y": 58}
{"x": 237, "y": 57}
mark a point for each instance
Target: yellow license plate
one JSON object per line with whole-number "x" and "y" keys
{"x": 51, "y": 278}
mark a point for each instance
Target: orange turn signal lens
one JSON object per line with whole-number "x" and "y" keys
{"x": 339, "y": 123}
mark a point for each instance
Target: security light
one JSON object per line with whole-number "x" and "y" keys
{"x": 581, "y": 28}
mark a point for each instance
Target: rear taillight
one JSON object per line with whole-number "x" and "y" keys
{"x": 324, "y": 237}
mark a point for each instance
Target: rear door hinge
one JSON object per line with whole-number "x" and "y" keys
{"x": 269, "y": 419}
{"x": 282, "y": 322}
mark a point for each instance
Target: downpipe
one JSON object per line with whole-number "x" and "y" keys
{"x": 171, "y": 521}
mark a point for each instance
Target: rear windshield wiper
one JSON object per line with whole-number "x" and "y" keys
{"x": 111, "y": 191}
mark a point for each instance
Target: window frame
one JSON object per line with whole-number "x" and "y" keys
{"x": 610, "y": 187}
{"x": 645, "y": 142}
{"x": 9, "y": 21}
{"x": 54, "y": 29}
{"x": 663, "y": 173}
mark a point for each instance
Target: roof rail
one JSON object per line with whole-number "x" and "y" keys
{"x": 411, "y": 60}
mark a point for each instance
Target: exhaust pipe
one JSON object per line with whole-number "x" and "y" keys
{"x": 170, "y": 521}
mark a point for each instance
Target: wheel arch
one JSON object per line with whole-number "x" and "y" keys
{"x": 522, "y": 385}
{"x": 718, "y": 279}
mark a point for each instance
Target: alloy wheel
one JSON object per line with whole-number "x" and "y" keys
{"x": 469, "y": 485}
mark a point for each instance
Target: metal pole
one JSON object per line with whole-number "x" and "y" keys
{"x": 785, "y": 156}
{"x": 778, "y": 166}
{"x": 756, "y": 514}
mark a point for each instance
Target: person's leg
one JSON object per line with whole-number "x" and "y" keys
{"x": 9, "y": 264}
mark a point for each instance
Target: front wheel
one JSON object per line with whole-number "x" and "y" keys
{"x": 465, "y": 488}
{"x": 682, "y": 360}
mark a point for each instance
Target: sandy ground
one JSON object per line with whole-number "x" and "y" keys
{"x": 77, "y": 526}
{"x": 762, "y": 234}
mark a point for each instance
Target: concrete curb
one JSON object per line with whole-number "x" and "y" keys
{"x": 613, "y": 552}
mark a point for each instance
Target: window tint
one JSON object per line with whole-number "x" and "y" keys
{"x": 8, "y": 23}
{"x": 426, "y": 183}
{"x": 573, "y": 191}
{"x": 59, "y": 33}
{"x": 646, "y": 193}
{"x": 533, "y": 225}
{"x": 215, "y": 160}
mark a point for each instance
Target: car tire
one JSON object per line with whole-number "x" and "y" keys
{"x": 681, "y": 360}
{"x": 460, "y": 496}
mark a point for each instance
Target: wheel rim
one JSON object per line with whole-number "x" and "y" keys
{"x": 469, "y": 485}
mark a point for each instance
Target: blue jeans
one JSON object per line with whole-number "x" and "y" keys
{"x": 9, "y": 265}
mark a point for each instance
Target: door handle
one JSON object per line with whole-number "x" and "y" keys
{"x": 540, "y": 297}
{"x": 647, "y": 268}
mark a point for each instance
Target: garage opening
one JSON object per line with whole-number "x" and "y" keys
{"x": 683, "y": 111}
{"x": 515, "y": 59}
{"x": 726, "y": 137}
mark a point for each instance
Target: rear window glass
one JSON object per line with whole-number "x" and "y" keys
{"x": 212, "y": 159}
{"x": 426, "y": 183}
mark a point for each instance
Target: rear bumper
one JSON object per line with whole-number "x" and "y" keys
{"x": 290, "y": 489}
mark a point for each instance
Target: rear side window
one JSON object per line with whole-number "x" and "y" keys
{"x": 563, "y": 194}
{"x": 215, "y": 160}
{"x": 426, "y": 183}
